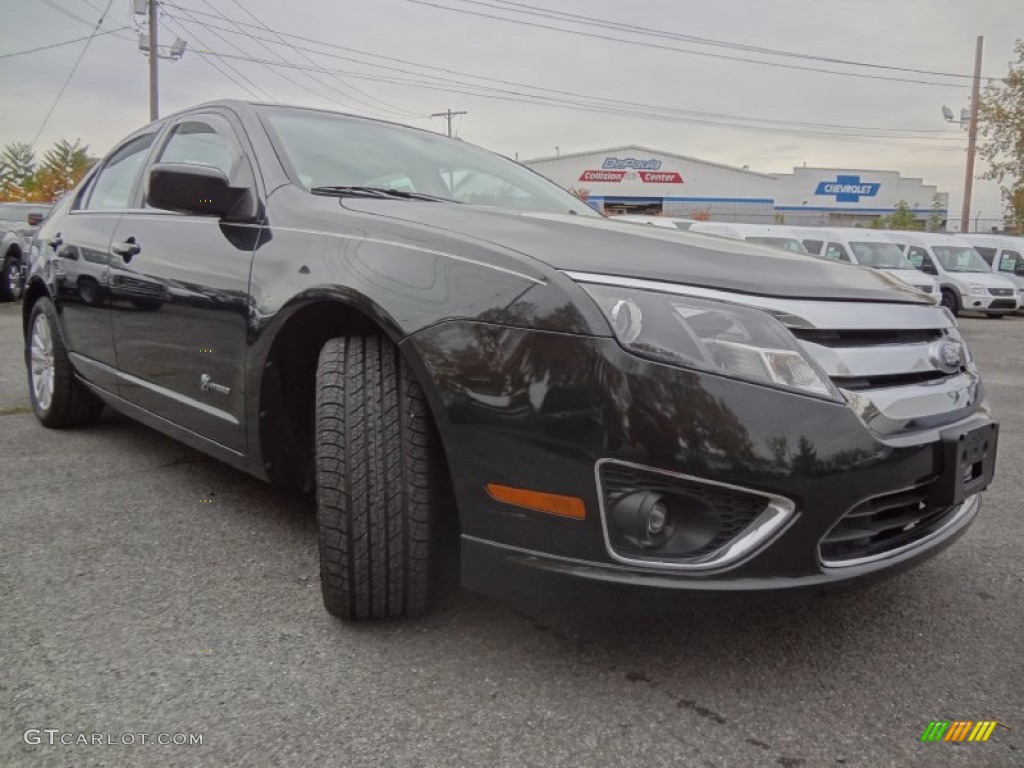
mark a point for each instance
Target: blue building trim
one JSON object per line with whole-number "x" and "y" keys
{"x": 620, "y": 199}
{"x": 835, "y": 209}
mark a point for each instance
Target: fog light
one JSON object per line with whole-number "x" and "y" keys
{"x": 656, "y": 519}
{"x": 642, "y": 519}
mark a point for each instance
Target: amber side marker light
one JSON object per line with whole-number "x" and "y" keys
{"x": 564, "y": 506}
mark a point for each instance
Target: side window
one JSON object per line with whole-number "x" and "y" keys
{"x": 836, "y": 252}
{"x": 1009, "y": 261}
{"x": 813, "y": 246}
{"x": 112, "y": 187}
{"x": 203, "y": 142}
{"x": 918, "y": 257}
{"x": 988, "y": 254}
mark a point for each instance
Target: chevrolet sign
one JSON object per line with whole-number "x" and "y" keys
{"x": 847, "y": 189}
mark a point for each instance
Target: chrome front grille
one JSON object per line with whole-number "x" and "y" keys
{"x": 910, "y": 376}
{"x": 1001, "y": 291}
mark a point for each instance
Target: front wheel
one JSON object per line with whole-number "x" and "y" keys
{"x": 950, "y": 301}
{"x": 10, "y": 279}
{"x": 58, "y": 398}
{"x": 377, "y": 482}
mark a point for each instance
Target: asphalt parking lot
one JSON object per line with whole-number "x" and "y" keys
{"x": 145, "y": 589}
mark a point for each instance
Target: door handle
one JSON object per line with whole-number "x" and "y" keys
{"x": 56, "y": 242}
{"x": 127, "y": 249}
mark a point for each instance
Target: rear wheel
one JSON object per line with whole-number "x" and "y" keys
{"x": 377, "y": 482}
{"x": 58, "y": 398}
{"x": 950, "y": 300}
{"x": 10, "y": 279}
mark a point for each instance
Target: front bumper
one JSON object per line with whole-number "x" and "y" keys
{"x": 992, "y": 304}
{"x": 538, "y": 577}
{"x": 541, "y": 411}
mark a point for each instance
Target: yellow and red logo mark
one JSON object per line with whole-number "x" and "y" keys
{"x": 958, "y": 730}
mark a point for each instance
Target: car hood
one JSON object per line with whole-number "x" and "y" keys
{"x": 598, "y": 245}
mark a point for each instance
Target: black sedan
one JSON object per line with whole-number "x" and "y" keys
{"x": 445, "y": 346}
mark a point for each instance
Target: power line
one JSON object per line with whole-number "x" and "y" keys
{"x": 475, "y": 90}
{"x": 71, "y": 74}
{"x": 533, "y": 10}
{"x": 61, "y": 44}
{"x": 260, "y": 22}
{"x": 244, "y": 87}
{"x": 558, "y": 92}
{"x": 673, "y": 49}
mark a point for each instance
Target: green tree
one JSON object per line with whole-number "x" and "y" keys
{"x": 62, "y": 167}
{"x": 901, "y": 218}
{"x": 1001, "y": 125}
{"x": 937, "y": 218}
{"x": 17, "y": 170}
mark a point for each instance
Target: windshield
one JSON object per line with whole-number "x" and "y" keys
{"x": 785, "y": 243}
{"x": 329, "y": 150}
{"x": 880, "y": 255}
{"x": 954, "y": 258}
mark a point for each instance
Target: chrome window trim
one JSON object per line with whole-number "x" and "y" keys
{"x": 969, "y": 508}
{"x": 777, "y": 513}
{"x": 800, "y": 313}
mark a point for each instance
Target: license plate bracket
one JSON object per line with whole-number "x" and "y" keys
{"x": 968, "y": 464}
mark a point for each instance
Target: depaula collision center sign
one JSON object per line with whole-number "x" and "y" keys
{"x": 847, "y": 189}
{"x": 615, "y": 169}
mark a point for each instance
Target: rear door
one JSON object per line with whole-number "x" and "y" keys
{"x": 179, "y": 294}
{"x": 81, "y": 243}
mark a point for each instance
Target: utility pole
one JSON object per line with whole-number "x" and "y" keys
{"x": 154, "y": 65}
{"x": 972, "y": 137}
{"x": 448, "y": 115}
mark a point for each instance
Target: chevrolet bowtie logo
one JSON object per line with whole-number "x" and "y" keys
{"x": 847, "y": 189}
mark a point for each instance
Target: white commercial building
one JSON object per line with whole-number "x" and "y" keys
{"x": 634, "y": 179}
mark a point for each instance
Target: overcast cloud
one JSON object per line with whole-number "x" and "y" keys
{"x": 107, "y": 97}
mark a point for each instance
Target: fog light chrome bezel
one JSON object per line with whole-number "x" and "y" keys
{"x": 778, "y": 513}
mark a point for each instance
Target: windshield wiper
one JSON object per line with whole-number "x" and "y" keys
{"x": 381, "y": 192}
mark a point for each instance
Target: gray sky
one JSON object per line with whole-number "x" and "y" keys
{"x": 107, "y": 97}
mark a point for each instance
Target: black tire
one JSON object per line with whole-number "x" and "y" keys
{"x": 377, "y": 482}
{"x": 69, "y": 402}
{"x": 951, "y": 301}
{"x": 10, "y": 279}
{"x": 89, "y": 290}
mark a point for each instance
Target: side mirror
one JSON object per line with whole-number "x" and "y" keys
{"x": 928, "y": 268}
{"x": 35, "y": 219}
{"x": 200, "y": 189}
{"x": 1019, "y": 269}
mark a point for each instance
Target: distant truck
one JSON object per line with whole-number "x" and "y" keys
{"x": 18, "y": 224}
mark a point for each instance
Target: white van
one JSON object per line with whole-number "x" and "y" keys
{"x": 875, "y": 249}
{"x": 1005, "y": 255}
{"x": 966, "y": 281}
{"x": 668, "y": 222}
{"x": 776, "y": 236}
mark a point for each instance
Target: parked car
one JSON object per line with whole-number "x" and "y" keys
{"x": 875, "y": 249}
{"x": 1006, "y": 257}
{"x": 18, "y": 223}
{"x": 591, "y": 411}
{"x": 669, "y": 222}
{"x": 965, "y": 280}
{"x": 772, "y": 235}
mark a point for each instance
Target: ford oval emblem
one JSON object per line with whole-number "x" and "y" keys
{"x": 947, "y": 355}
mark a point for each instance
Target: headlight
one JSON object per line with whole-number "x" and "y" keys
{"x": 976, "y": 289}
{"x": 727, "y": 339}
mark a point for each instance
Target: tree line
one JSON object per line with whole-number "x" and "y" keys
{"x": 24, "y": 177}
